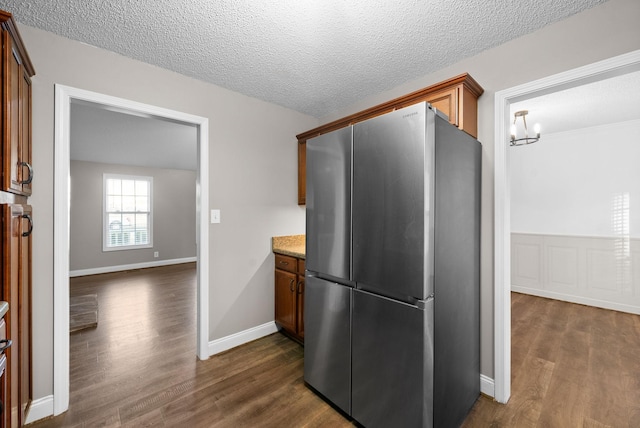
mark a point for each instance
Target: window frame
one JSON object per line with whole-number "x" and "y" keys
{"x": 105, "y": 212}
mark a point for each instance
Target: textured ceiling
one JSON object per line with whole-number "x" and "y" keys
{"x": 313, "y": 56}
{"x": 102, "y": 135}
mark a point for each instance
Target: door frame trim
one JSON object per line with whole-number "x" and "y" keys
{"x": 608, "y": 68}
{"x": 64, "y": 95}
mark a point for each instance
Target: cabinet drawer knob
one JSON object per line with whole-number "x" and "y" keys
{"x": 282, "y": 262}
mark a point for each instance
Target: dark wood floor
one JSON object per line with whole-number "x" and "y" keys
{"x": 572, "y": 366}
{"x": 138, "y": 367}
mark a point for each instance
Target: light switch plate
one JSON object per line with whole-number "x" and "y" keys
{"x": 215, "y": 216}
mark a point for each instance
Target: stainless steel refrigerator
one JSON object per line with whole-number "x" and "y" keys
{"x": 393, "y": 267}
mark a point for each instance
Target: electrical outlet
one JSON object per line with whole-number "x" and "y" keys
{"x": 156, "y": 254}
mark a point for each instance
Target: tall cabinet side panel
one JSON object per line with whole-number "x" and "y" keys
{"x": 456, "y": 274}
{"x": 328, "y": 244}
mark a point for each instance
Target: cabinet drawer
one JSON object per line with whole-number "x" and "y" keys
{"x": 301, "y": 266}
{"x": 287, "y": 263}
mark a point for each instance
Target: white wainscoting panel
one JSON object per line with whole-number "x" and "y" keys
{"x": 602, "y": 270}
{"x": 596, "y": 271}
{"x": 525, "y": 257}
{"x": 561, "y": 264}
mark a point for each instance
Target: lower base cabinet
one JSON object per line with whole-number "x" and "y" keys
{"x": 16, "y": 290}
{"x": 4, "y": 413}
{"x": 5, "y": 420}
{"x": 289, "y": 295}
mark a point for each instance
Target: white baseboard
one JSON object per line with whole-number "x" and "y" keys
{"x": 240, "y": 338}
{"x": 577, "y": 299}
{"x": 40, "y": 409}
{"x": 487, "y": 386}
{"x": 109, "y": 269}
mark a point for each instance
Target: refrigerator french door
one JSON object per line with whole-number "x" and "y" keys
{"x": 327, "y": 354}
{"x": 392, "y": 371}
{"x": 328, "y": 285}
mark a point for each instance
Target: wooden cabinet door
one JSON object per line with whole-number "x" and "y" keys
{"x": 11, "y": 115}
{"x": 5, "y": 422}
{"x": 300, "y": 306}
{"x": 25, "y": 170}
{"x": 17, "y": 171}
{"x": 285, "y": 295}
{"x": 24, "y": 303}
{"x": 446, "y": 102}
{"x": 16, "y": 279}
{"x": 12, "y": 235}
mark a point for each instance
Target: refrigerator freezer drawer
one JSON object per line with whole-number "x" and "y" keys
{"x": 327, "y": 341}
{"x": 392, "y": 362}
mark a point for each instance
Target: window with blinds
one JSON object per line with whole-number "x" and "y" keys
{"x": 127, "y": 216}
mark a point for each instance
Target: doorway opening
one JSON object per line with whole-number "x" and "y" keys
{"x": 574, "y": 233}
{"x": 612, "y": 67}
{"x": 64, "y": 96}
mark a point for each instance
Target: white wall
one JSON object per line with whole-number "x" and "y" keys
{"x": 253, "y": 179}
{"x": 599, "y": 33}
{"x": 582, "y": 183}
{"x": 174, "y": 216}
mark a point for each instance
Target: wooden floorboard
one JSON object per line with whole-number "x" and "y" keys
{"x": 572, "y": 366}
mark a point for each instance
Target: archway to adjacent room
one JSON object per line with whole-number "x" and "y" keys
{"x": 64, "y": 96}
{"x": 612, "y": 67}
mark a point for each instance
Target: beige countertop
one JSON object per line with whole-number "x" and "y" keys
{"x": 292, "y": 245}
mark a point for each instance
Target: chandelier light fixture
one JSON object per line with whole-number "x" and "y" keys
{"x": 515, "y": 141}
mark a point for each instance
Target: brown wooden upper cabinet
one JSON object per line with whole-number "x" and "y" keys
{"x": 456, "y": 97}
{"x": 17, "y": 71}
